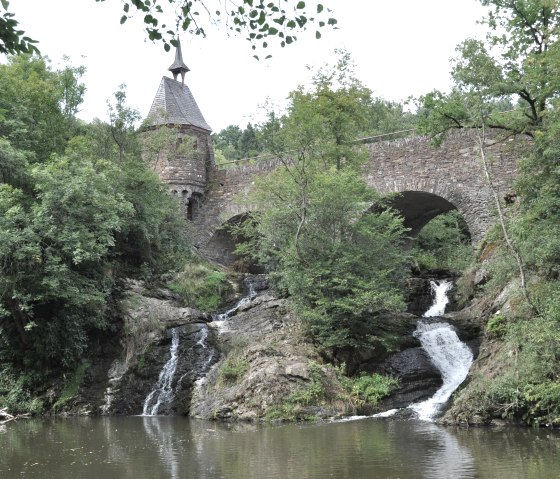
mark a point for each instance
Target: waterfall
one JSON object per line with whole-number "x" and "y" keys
{"x": 163, "y": 392}
{"x": 441, "y": 300}
{"x": 448, "y": 353}
{"x": 202, "y": 342}
{"x": 242, "y": 302}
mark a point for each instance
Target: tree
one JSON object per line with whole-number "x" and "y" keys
{"x": 319, "y": 230}
{"x": 259, "y": 20}
{"x": 72, "y": 93}
{"x": 514, "y": 73}
{"x": 13, "y": 40}
{"x": 38, "y": 105}
{"x": 122, "y": 122}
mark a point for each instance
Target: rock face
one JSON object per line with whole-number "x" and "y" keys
{"x": 418, "y": 377}
{"x": 149, "y": 319}
{"x": 264, "y": 342}
{"x": 256, "y": 364}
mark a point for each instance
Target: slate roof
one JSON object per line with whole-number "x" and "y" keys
{"x": 174, "y": 104}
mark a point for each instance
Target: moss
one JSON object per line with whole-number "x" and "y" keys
{"x": 72, "y": 386}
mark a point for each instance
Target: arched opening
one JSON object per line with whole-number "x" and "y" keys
{"x": 441, "y": 239}
{"x": 224, "y": 241}
{"x": 418, "y": 208}
{"x": 440, "y": 246}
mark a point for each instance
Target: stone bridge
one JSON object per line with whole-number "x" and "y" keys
{"x": 430, "y": 180}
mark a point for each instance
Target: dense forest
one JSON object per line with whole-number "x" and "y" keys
{"x": 81, "y": 212}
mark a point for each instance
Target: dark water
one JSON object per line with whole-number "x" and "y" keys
{"x": 171, "y": 447}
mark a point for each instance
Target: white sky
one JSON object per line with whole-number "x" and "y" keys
{"x": 400, "y": 47}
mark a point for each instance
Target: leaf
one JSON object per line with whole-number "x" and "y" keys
{"x": 319, "y": 8}
{"x": 123, "y": 19}
{"x": 300, "y": 5}
{"x": 317, "y": 34}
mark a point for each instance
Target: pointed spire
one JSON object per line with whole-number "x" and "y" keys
{"x": 179, "y": 65}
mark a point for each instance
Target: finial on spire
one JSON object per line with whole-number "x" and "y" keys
{"x": 179, "y": 65}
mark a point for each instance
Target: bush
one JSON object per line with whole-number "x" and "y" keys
{"x": 496, "y": 326}
{"x": 232, "y": 369}
{"x": 371, "y": 388}
{"x": 16, "y": 395}
{"x": 202, "y": 286}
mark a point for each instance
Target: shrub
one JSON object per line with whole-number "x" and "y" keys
{"x": 371, "y": 388}
{"x": 202, "y": 286}
{"x": 232, "y": 369}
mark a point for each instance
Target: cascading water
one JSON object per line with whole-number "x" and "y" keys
{"x": 219, "y": 318}
{"x": 441, "y": 300}
{"x": 451, "y": 357}
{"x": 163, "y": 391}
{"x": 208, "y": 352}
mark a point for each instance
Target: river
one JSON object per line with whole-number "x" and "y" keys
{"x": 176, "y": 447}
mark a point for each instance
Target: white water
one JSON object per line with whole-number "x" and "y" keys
{"x": 441, "y": 300}
{"x": 449, "y": 355}
{"x": 202, "y": 342}
{"x": 163, "y": 392}
{"x": 219, "y": 319}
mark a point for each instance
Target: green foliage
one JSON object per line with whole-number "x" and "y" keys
{"x": 259, "y": 20}
{"x": 72, "y": 221}
{"x": 320, "y": 232}
{"x": 444, "y": 243}
{"x": 496, "y": 326}
{"x": 72, "y": 386}
{"x": 339, "y": 109}
{"x": 371, "y": 388}
{"x": 16, "y": 393}
{"x": 312, "y": 393}
{"x": 235, "y": 143}
{"x": 233, "y": 368}
{"x": 506, "y": 82}
{"x": 526, "y": 355}
{"x": 12, "y": 39}
{"x": 30, "y": 115}
{"x": 201, "y": 285}
{"x": 537, "y": 226}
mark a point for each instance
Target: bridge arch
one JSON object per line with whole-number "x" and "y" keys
{"x": 418, "y": 208}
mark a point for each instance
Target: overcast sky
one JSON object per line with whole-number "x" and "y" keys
{"x": 400, "y": 48}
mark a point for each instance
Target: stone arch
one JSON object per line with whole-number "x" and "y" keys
{"x": 422, "y": 199}
{"x": 221, "y": 246}
{"x": 418, "y": 208}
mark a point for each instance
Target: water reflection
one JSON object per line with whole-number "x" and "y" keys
{"x": 444, "y": 456}
{"x": 171, "y": 447}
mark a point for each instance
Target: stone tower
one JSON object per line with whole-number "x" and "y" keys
{"x": 187, "y": 154}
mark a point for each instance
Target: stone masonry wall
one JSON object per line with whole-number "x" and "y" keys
{"x": 452, "y": 171}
